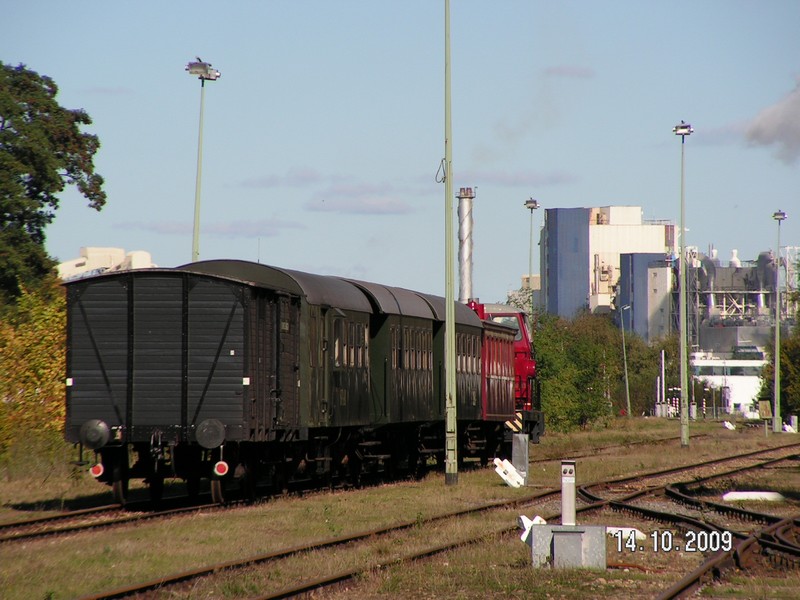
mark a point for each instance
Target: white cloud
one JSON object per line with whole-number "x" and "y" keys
{"x": 518, "y": 178}
{"x": 779, "y": 125}
{"x": 230, "y": 229}
{"x": 569, "y": 71}
{"x": 294, "y": 177}
{"x": 359, "y": 199}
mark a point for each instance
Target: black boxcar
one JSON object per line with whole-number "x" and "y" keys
{"x": 281, "y": 374}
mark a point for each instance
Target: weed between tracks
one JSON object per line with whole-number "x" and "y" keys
{"x": 75, "y": 565}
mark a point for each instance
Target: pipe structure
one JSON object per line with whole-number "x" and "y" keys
{"x": 465, "y": 197}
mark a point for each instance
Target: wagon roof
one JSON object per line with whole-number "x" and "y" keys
{"x": 396, "y": 301}
{"x": 502, "y": 309}
{"x": 317, "y": 289}
{"x": 464, "y": 314}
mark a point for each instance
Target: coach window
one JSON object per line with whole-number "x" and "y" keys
{"x": 394, "y": 347}
{"x": 509, "y": 321}
{"x": 366, "y": 346}
{"x": 362, "y": 346}
{"x": 349, "y": 345}
{"x": 337, "y": 342}
{"x": 357, "y": 343}
{"x": 406, "y": 343}
{"x": 474, "y": 355}
{"x": 313, "y": 346}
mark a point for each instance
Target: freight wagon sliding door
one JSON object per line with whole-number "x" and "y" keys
{"x": 156, "y": 347}
{"x": 274, "y": 364}
{"x": 216, "y": 356}
{"x": 187, "y": 355}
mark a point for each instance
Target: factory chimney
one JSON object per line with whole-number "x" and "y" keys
{"x": 465, "y": 197}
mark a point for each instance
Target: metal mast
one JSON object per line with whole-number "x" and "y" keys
{"x": 204, "y": 73}
{"x": 683, "y": 130}
{"x": 451, "y": 437}
{"x": 777, "y": 422}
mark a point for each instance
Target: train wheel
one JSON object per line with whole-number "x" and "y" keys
{"x": 355, "y": 470}
{"x": 119, "y": 488}
{"x": 281, "y": 479}
{"x": 119, "y": 485}
{"x": 193, "y": 487}
{"x": 217, "y": 489}
{"x": 247, "y": 482}
{"x": 156, "y": 484}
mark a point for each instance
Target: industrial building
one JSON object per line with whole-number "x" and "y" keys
{"x": 580, "y": 254}
{"x": 608, "y": 259}
{"x": 95, "y": 260}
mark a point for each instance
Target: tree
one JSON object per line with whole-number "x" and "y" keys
{"x": 32, "y": 363}
{"x": 790, "y": 374}
{"x": 42, "y": 149}
{"x": 575, "y": 369}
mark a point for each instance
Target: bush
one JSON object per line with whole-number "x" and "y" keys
{"x": 32, "y": 365}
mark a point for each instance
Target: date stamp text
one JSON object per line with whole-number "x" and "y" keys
{"x": 666, "y": 541}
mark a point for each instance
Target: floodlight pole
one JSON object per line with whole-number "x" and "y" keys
{"x": 196, "y": 229}
{"x": 531, "y": 205}
{"x": 625, "y": 359}
{"x": 451, "y": 417}
{"x": 683, "y": 130}
{"x": 204, "y": 72}
{"x": 777, "y": 422}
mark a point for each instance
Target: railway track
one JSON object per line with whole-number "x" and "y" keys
{"x": 115, "y": 515}
{"x": 402, "y": 534}
{"x": 78, "y": 521}
{"x": 611, "y": 448}
{"x": 725, "y": 545}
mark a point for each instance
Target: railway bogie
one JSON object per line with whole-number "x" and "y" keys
{"x": 249, "y": 375}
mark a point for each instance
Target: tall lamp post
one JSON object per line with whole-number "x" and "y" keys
{"x": 683, "y": 130}
{"x": 625, "y": 359}
{"x": 531, "y": 205}
{"x": 777, "y": 422}
{"x": 451, "y": 407}
{"x": 204, "y": 73}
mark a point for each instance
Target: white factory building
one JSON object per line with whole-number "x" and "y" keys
{"x": 96, "y": 260}
{"x": 580, "y": 254}
{"x": 609, "y": 259}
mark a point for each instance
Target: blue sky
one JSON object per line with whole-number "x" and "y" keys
{"x": 323, "y": 135}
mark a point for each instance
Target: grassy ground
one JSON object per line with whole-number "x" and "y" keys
{"x": 80, "y": 564}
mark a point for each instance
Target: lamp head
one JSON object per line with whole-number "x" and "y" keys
{"x": 203, "y": 70}
{"x": 531, "y": 204}
{"x": 683, "y": 129}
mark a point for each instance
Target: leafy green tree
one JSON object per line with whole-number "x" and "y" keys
{"x": 575, "y": 369}
{"x": 790, "y": 374}
{"x": 32, "y": 363}
{"x": 42, "y": 149}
